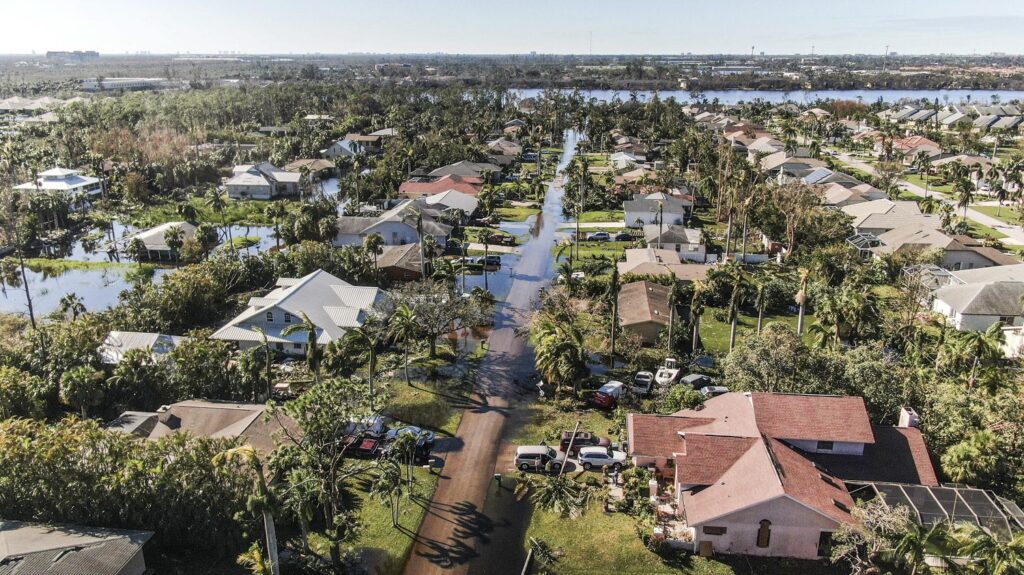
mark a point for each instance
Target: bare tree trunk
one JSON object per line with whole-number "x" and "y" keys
{"x": 271, "y": 532}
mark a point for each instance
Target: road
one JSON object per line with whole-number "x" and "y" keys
{"x": 459, "y": 532}
{"x": 1014, "y": 234}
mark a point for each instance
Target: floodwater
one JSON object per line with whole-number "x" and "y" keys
{"x": 804, "y": 96}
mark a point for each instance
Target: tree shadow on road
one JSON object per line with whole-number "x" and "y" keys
{"x": 471, "y": 525}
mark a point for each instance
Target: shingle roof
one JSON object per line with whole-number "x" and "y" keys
{"x": 642, "y": 302}
{"x": 898, "y": 455}
{"x": 703, "y": 459}
{"x": 30, "y": 548}
{"x": 813, "y": 417}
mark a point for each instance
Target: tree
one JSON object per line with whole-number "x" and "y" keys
{"x": 739, "y": 283}
{"x": 21, "y": 394}
{"x": 556, "y": 493}
{"x": 136, "y": 250}
{"x": 917, "y": 542}
{"x": 247, "y": 456}
{"x": 373, "y": 245}
{"x": 388, "y": 487}
{"x": 367, "y": 337}
{"x": 276, "y": 211}
{"x": 441, "y": 309}
{"x": 70, "y": 304}
{"x": 801, "y": 299}
{"x": 313, "y": 351}
{"x": 188, "y": 211}
{"x": 964, "y": 191}
{"x": 560, "y": 352}
{"x": 174, "y": 237}
{"x": 402, "y": 326}
{"x": 82, "y": 388}
{"x": 218, "y": 202}
{"x": 485, "y": 237}
{"x": 760, "y": 299}
{"x": 974, "y": 460}
{"x": 991, "y": 556}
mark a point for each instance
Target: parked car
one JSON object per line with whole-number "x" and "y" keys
{"x": 643, "y": 383}
{"x": 504, "y": 240}
{"x": 623, "y": 237}
{"x": 668, "y": 372}
{"x": 591, "y": 457}
{"x": 599, "y": 237}
{"x": 362, "y": 446}
{"x": 607, "y": 395}
{"x": 713, "y": 390}
{"x": 696, "y": 380}
{"x": 575, "y": 275}
{"x": 537, "y": 457}
{"x": 583, "y": 439}
{"x": 489, "y": 261}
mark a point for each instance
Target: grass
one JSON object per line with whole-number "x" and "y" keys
{"x": 918, "y": 181}
{"x": 1006, "y": 214}
{"x": 545, "y": 422}
{"x": 607, "y": 543}
{"x": 613, "y": 250}
{"x": 981, "y": 230}
{"x": 239, "y": 212}
{"x": 472, "y": 233}
{"x": 427, "y": 405}
{"x": 597, "y": 160}
{"x": 57, "y": 267}
{"x": 601, "y": 216}
{"x": 853, "y": 171}
{"x": 715, "y": 334}
{"x": 516, "y": 213}
{"x": 243, "y": 242}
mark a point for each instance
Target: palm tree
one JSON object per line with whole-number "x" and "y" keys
{"x": 388, "y": 486}
{"x": 561, "y": 355}
{"x": 402, "y": 327}
{"x": 312, "y": 349}
{"x": 247, "y": 455}
{"x": 700, "y": 288}
{"x": 268, "y": 361}
{"x": 556, "y": 493}
{"x": 916, "y": 543}
{"x": 991, "y": 555}
{"x": 254, "y": 560}
{"x": 366, "y": 335}
{"x": 739, "y": 283}
{"x": 218, "y": 202}
{"x": 276, "y": 212}
{"x": 1001, "y": 194}
{"x": 801, "y": 299}
{"x": 929, "y": 204}
{"x": 188, "y": 211}
{"x": 923, "y": 163}
{"x": 174, "y": 237}
{"x": 964, "y": 190}
{"x": 70, "y": 303}
{"x": 760, "y": 299}
{"x": 373, "y": 244}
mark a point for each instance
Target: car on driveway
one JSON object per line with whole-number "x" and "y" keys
{"x": 424, "y": 441}
{"x": 537, "y": 457}
{"x": 489, "y": 261}
{"x": 591, "y": 457}
{"x": 623, "y": 237}
{"x": 583, "y": 439}
{"x": 599, "y": 237}
{"x": 643, "y": 383}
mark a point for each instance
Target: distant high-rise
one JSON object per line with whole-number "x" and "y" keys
{"x": 78, "y": 55}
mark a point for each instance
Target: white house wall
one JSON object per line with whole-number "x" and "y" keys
{"x": 795, "y": 530}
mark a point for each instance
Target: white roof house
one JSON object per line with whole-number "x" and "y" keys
{"x": 63, "y": 180}
{"x": 453, "y": 199}
{"x": 118, "y": 343}
{"x": 332, "y": 305}
{"x": 978, "y": 306}
{"x": 155, "y": 241}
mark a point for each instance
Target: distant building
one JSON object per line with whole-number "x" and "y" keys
{"x": 262, "y": 181}
{"x": 77, "y": 55}
{"x": 118, "y": 343}
{"x": 71, "y": 182}
{"x": 127, "y": 84}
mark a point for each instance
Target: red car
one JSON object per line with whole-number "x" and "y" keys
{"x": 608, "y": 394}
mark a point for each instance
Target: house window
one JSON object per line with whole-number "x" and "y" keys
{"x": 287, "y": 318}
{"x": 826, "y": 445}
{"x": 279, "y": 346}
{"x": 270, "y": 316}
{"x": 1007, "y": 319}
{"x": 825, "y": 544}
{"x": 712, "y": 530}
{"x": 764, "y": 534}
{"x": 297, "y": 345}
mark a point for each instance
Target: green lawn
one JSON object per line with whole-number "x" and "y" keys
{"x": 597, "y": 159}
{"x": 542, "y": 421}
{"x": 428, "y": 405}
{"x": 715, "y": 333}
{"x": 981, "y": 231}
{"x": 242, "y": 212}
{"x": 516, "y": 213}
{"x": 596, "y": 249}
{"x": 855, "y": 172}
{"x": 1006, "y": 213}
{"x": 601, "y": 216}
{"x": 473, "y": 233}
{"x": 607, "y": 543}
{"x": 242, "y": 242}
{"x": 917, "y": 180}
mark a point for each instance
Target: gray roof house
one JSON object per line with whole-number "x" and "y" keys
{"x": 397, "y": 226}
{"x": 648, "y": 209}
{"x": 118, "y": 343}
{"x": 262, "y": 182}
{"x": 978, "y": 306}
{"x": 332, "y": 305}
{"x": 688, "y": 242}
{"x": 467, "y": 169}
{"x": 155, "y": 239}
{"x": 37, "y": 549}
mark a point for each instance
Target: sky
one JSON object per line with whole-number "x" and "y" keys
{"x": 518, "y": 26}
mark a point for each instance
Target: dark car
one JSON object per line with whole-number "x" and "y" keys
{"x": 424, "y": 442}
{"x": 696, "y": 380}
{"x": 362, "y": 446}
{"x": 623, "y": 237}
{"x": 583, "y": 439}
{"x": 489, "y": 261}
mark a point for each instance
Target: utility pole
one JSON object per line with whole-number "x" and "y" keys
{"x": 885, "y": 59}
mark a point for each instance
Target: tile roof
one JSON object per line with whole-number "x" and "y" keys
{"x": 467, "y": 185}
{"x": 813, "y": 417}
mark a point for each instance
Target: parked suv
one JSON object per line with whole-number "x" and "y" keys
{"x": 489, "y": 261}
{"x": 583, "y": 439}
{"x": 537, "y": 457}
{"x": 599, "y": 237}
{"x": 696, "y": 380}
{"x": 599, "y": 457}
{"x": 643, "y": 383}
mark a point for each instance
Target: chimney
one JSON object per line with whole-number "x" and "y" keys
{"x": 909, "y": 417}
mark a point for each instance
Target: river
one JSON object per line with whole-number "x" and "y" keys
{"x": 806, "y": 97}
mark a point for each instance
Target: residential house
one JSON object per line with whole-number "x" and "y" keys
{"x": 881, "y": 215}
{"x": 652, "y": 208}
{"x": 44, "y": 549}
{"x": 465, "y": 169}
{"x": 840, "y": 196}
{"x": 334, "y": 306}
{"x": 654, "y": 262}
{"x": 63, "y": 180}
{"x": 687, "y": 242}
{"x": 155, "y": 240}
{"x": 401, "y": 263}
{"x": 624, "y": 161}
{"x": 784, "y": 167}
{"x": 317, "y": 168}
{"x": 397, "y": 226}
{"x": 958, "y": 252}
{"x": 763, "y": 473}
{"x": 643, "y": 309}
{"x": 343, "y": 148}
{"x": 978, "y": 306}
{"x": 202, "y": 418}
{"x": 453, "y": 200}
{"x": 505, "y": 147}
{"x": 422, "y": 187}
{"x": 262, "y": 181}
{"x": 119, "y": 343}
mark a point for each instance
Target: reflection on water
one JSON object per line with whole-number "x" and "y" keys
{"x": 97, "y": 287}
